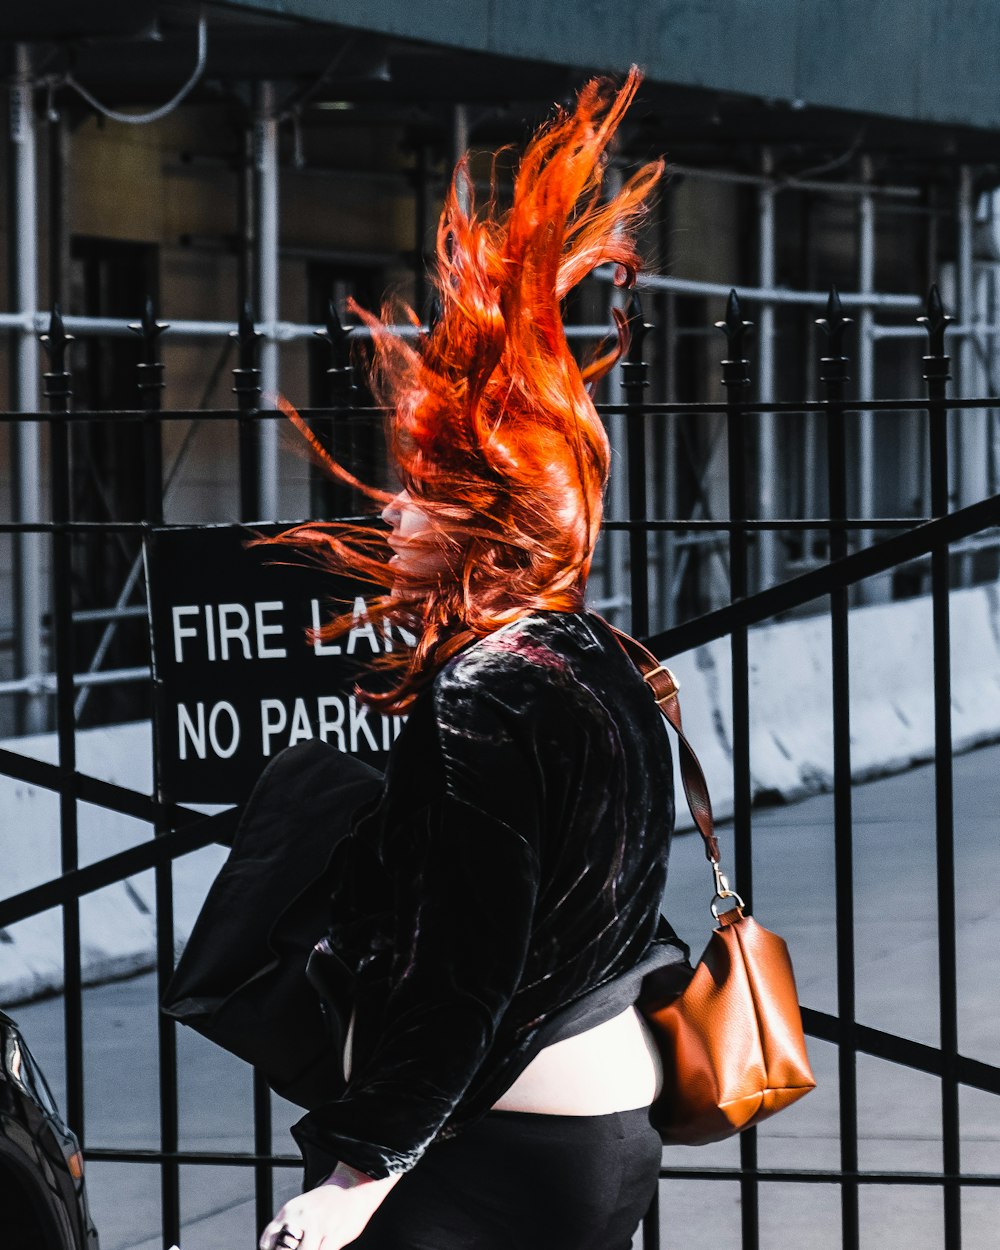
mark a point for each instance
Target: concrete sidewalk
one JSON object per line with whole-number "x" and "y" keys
{"x": 899, "y": 1115}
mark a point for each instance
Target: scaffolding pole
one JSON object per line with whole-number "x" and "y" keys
{"x": 969, "y": 442}
{"x": 866, "y": 353}
{"x": 460, "y": 148}
{"x": 768, "y": 474}
{"x": 25, "y": 436}
{"x": 617, "y": 585}
{"x": 266, "y": 269}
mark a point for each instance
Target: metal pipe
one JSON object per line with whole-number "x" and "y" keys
{"x": 47, "y": 683}
{"x": 289, "y": 331}
{"x": 968, "y": 453}
{"x": 459, "y": 148}
{"x": 107, "y": 637}
{"x": 616, "y": 543}
{"x": 954, "y": 332}
{"x": 791, "y": 183}
{"x": 110, "y": 614}
{"x": 965, "y": 215}
{"x": 266, "y": 268}
{"x": 767, "y": 442}
{"x": 284, "y": 331}
{"x": 778, "y": 294}
{"x": 671, "y": 505}
{"x": 420, "y": 221}
{"x": 25, "y": 436}
{"x": 866, "y": 354}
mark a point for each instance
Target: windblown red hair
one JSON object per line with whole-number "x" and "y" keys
{"x": 489, "y": 423}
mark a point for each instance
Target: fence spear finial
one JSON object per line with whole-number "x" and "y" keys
{"x": 935, "y": 321}
{"x": 246, "y": 377}
{"x": 833, "y": 366}
{"x": 337, "y": 336}
{"x": 638, "y": 326}
{"x": 834, "y": 323}
{"x": 150, "y": 369}
{"x": 147, "y": 326}
{"x": 56, "y": 340}
{"x": 58, "y": 379}
{"x": 735, "y": 368}
{"x": 435, "y": 311}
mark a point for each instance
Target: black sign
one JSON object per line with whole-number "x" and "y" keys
{"x": 236, "y": 676}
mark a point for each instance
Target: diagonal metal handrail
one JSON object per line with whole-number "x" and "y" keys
{"x": 847, "y": 571}
{"x": 90, "y": 789}
{"x": 975, "y": 1073}
{"x": 192, "y": 836}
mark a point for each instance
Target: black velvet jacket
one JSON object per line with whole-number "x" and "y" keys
{"x": 514, "y": 862}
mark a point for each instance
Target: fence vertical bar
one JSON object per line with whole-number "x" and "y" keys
{"x": 150, "y": 397}
{"x": 59, "y": 391}
{"x": 833, "y": 376}
{"x": 736, "y": 380}
{"x": 936, "y": 374}
{"x": 337, "y": 498}
{"x": 246, "y": 388}
{"x": 634, "y": 382}
{"x": 150, "y": 383}
{"x": 634, "y": 370}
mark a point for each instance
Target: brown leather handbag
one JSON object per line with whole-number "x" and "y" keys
{"x": 732, "y": 1043}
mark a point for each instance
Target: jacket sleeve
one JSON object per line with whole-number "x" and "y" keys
{"x": 464, "y": 873}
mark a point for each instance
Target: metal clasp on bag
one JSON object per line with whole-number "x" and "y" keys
{"x": 722, "y": 889}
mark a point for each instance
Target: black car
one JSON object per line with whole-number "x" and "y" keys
{"x": 43, "y": 1202}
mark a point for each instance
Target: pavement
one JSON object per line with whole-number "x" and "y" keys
{"x": 899, "y": 1110}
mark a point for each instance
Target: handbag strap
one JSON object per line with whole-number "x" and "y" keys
{"x": 665, "y": 686}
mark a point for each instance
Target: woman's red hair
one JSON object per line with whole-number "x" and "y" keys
{"x": 489, "y": 423}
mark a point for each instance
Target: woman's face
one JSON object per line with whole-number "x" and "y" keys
{"x": 418, "y": 548}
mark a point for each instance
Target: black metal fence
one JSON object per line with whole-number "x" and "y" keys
{"x": 179, "y": 831}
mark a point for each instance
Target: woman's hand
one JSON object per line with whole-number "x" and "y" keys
{"x": 330, "y": 1216}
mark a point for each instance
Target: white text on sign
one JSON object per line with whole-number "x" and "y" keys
{"x": 220, "y": 632}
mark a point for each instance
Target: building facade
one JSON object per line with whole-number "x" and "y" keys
{"x": 290, "y": 155}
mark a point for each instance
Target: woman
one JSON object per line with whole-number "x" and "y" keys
{"x": 497, "y": 902}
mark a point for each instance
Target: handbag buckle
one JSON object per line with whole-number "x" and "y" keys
{"x": 723, "y": 890}
{"x": 673, "y": 687}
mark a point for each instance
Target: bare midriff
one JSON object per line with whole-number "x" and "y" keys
{"x": 613, "y": 1066}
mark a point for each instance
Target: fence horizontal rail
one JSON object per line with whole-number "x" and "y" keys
{"x": 802, "y": 523}
{"x": 102, "y": 1154}
{"x": 145, "y": 527}
{"x": 677, "y": 408}
{"x": 816, "y": 1176}
{"x": 651, "y": 524}
{"x": 806, "y": 1176}
{"x": 744, "y": 408}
